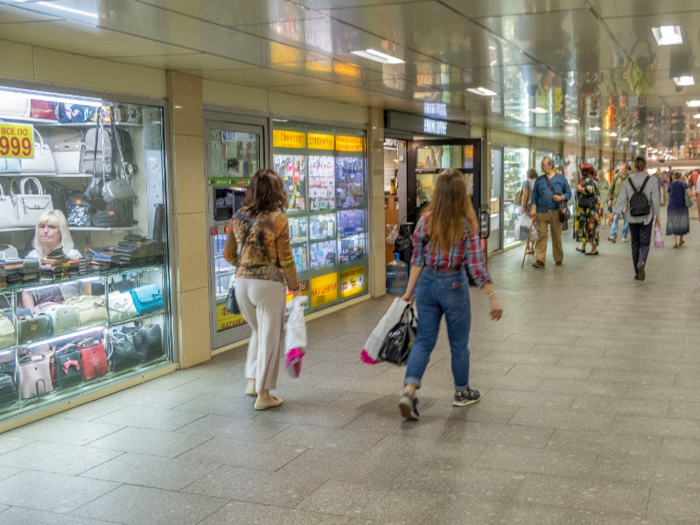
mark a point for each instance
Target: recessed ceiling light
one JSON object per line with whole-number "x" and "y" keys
{"x": 538, "y": 110}
{"x": 693, "y": 103}
{"x": 625, "y": 139}
{"x": 613, "y": 134}
{"x": 635, "y": 143}
{"x": 686, "y": 80}
{"x": 378, "y": 56}
{"x": 594, "y": 128}
{"x": 697, "y": 115}
{"x": 642, "y": 146}
{"x": 571, "y": 121}
{"x": 68, "y": 9}
{"x": 668, "y": 35}
{"x": 482, "y": 91}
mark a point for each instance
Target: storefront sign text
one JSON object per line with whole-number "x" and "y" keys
{"x": 324, "y": 289}
{"x": 318, "y": 141}
{"x": 16, "y": 141}
{"x": 352, "y": 281}
{"x": 288, "y": 139}
{"x": 225, "y": 319}
{"x": 346, "y": 143}
{"x": 434, "y": 127}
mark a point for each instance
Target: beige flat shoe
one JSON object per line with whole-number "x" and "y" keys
{"x": 250, "y": 390}
{"x": 264, "y": 405}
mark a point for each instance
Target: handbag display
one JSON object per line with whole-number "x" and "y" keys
{"x": 43, "y": 157}
{"x": 35, "y": 376}
{"x": 67, "y": 112}
{"x": 100, "y": 145}
{"x": 8, "y": 389}
{"x": 90, "y": 309}
{"x": 7, "y": 333}
{"x": 67, "y": 156}
{"x": 65, "y": 367}
{"x": 147, "y": 298}
{"x": 93, "y": 358}
{"x": 7, "y": 251}
{"x": 10, "y": 166}
{"x": 8, "y": 212}
{"x": 115, "y": 215}
{"x": 564, "y": 213}
{"x": 78, "y": 212}
{"x": 43, "y": 109}
{"x": 118, "y": 190}
{"x": 31, "y": 206}
{"x": 64, "y": 317}
{"x": 15, "y": 105}
{"x": 33, "y": 327}
{"x": 121, "y": 307}
{"x": 148, "y": 342}
{"x": 123, "y": 355}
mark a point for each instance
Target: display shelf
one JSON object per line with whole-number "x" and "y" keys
{"x": 52, "y": 175}
{"x": 50, "y": 122}
{"x": 314, "y": 240}
{"x": 72, "y": 228}
{"x": 138, "y": 318}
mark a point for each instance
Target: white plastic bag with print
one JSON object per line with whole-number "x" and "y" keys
{"x": 370, "y": 352}
{"x": 295, "y": 337}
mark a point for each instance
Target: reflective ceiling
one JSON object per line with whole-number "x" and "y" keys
{"x": 582, "y": 64}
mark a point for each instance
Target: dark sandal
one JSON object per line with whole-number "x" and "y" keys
{"x": 580, "y": 250}
{"x": 593, "y": 253}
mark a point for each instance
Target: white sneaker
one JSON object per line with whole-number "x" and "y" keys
{"x": 624, "y": 239}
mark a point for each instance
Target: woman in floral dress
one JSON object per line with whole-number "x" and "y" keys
{"x": 587, "y": 210}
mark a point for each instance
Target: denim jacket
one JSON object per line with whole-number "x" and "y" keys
{"x": 542, "y": 197}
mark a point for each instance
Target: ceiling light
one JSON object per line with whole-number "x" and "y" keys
{"x": 635, "y": 143}
{"x": 697, "y": 115}
{"x": 538, "y": 110}
{"x": 571, "y": 121}
{"x": 686, "y": 80}
{"x": 613, "y": 134}
{"x": 377, "y": 56}
{"x": 482, "y": 91}
{"x": 68, "y": 9}
{"x": 667, "y": 35}
{"x": 594, "y": 128}
{"x": 642, "y": 146}
{"x": 693, "y": 103}
{"x": 625, "y": 139}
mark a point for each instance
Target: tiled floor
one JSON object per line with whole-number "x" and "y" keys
{"x": 590, "y": 415}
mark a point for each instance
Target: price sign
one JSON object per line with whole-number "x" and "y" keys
{"x": 16, "y": 141}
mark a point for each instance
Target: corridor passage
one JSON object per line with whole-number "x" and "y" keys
{"x": 590, "y": 415}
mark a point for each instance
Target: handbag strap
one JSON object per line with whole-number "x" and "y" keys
{"x": 550, "y": 186}
{"x": 23, "y": 185}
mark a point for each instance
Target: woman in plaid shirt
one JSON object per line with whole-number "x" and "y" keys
{"x": 446, "y": 240}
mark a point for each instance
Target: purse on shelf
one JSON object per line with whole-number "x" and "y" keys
{"x": 148, "y": 342}
{"x": 8, "y": 388}
{"x": 8, "y": 211}
{"x": 65, "y": 367}
{"x": 121, "y": 307}
{"x": 33, "y": 327}
{"x": 35, "y": 376}
{"x": 90, "y": 309}
{"x": 43, "y": 157}
{"x": 7, "y": 333}
{"x": 15, "y": 105}
{"x": 123, "y": 352}
{"x": 93, "y": 358}
{"x": 119, "y": 189}
{"x": 43, "y": 109}
{"x": 10, "y": 166}
{"x": 78, "y": 212}
{"x": 7, "y": 251}
{"x": 147, "y": 298}
{"x": 64, "y": 317}
{"x": 67, "y": 156}
{"x": 31, "y": 206}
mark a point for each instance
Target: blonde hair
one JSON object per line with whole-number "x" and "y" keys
{"x": 54, "y": 218}
{"x": 450, "y": 206}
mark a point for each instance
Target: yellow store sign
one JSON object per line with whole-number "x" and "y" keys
{"x": 16, "y": 141}
{"x": 346, "y": 143}
{"x": 352, "y": 281}
{"x": 324, "y": 289}
{"x": 319, "y": 141}
{"x": 225, "y": 319}
{"x": 288, "y": 139}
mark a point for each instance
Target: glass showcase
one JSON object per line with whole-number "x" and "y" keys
{"x": 84, "y": 293}
{"x": 515, "y": 166}
{"x": 433, "y": 159}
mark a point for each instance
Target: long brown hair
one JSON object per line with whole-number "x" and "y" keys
{"x": 450, "y": 206}
{"x": 265, "y": 193}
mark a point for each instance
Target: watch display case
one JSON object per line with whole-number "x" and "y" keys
{"x": 84, "y": 280}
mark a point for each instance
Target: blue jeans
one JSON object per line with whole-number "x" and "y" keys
{"x": 625, "y": 225}
{"x": 438, "y": 294}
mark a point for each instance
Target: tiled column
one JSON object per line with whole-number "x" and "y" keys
{"x": 189, "y": 231}
{"x": 375, "y": 174}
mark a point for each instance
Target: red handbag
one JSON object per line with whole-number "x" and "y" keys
{"x": 93, "y": 358}
{"x": 43, "y": 109}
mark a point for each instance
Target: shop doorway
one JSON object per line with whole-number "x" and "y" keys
{"x": 234, "y": 154}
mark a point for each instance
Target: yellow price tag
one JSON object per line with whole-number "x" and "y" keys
{"x": 16, "y": 141}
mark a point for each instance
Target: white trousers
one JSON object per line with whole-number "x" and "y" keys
{"x": 262, "y": 305}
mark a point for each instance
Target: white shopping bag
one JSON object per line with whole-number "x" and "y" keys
{"x": 295, "y": 337}
{"x": 370, "y": 352}
{"x": 523, "y": 227}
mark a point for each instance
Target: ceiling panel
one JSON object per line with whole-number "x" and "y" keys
{"x": 492, "y": 8}
{"x": 340, "y": 4}
{"x": 188, "y": 61}
{"x": 632, "y": 8}
{"x": 10, "y": 14}
{"x": 260, "y": 78}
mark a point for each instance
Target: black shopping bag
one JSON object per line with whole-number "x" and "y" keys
{"x": 398, "y": 343}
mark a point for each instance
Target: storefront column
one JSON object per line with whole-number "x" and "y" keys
{"x": 375, "y": 174}
{"x": 192, "y": 337}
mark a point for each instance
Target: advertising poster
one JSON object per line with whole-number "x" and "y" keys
{"x": 352, "y": 281}
{"x": 324, "y": 289}
{"x": 300, "y": 258}
{"x": 323, "y": 254}
{"x": 321, "y": 183}
{"x": 292, "y": 170}
{"x": 225, "y": 319}
{"x": 350, "y": 174}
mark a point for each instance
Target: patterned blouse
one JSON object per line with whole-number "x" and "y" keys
{"x": 267, "y": 254}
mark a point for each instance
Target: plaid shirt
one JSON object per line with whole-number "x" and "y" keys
{"x": 467, "y": 252}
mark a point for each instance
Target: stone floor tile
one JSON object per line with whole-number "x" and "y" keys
{"x": 302, "y": 395}
{"x": 70, "y": 432}
{"x": 592, "y": 494}
{"x": 486, "y": 412}
{"x": 631, "y": 407}
{"x": 425, "y": 452}
{"x": 489, "y": 433}
{"x": 647, "y": 470}
{"x": 528, "y": 359}
{"x": 507, "y": 382}
{"x": 460, "y": 509}
{"x": 357, "y": 384}
{"x": 340, "y": 369}
{"x": 682, "y": 395}
{"x": 51, "y": 492}
{"x": 170, "y": 381}
{"x": 247, "y": 454}
{"x": 671, "y": 502}
{"x": 560, "y": 419}
{"x": 537, "y": 461}
{"x": 256, "y": 429}
{"x": 311, "y": 415}
{"x": 90, "y": 411}
{"x": 385, "y": 423}
{"x": 146, "y": 506}
{"x": 325, "y": 437}
{"x": 6, "y": 472}
{"x": 151, "y": 442}
{"x": 528, "y": 399}
{"x": 573, "y": 350}
{"x": 606, "y": 445}
{"x": 551, "y": 372}
{"x": 152, "y": 398}
{"x": 684, "y": 410}
{"x": 147, "y": 417}
{"x": 353, "y": 500}
{"x": 224, "y": 405}
{"x": 681, "y": 449}
{"x": 9, "y": 441}
{"x": 579, "y": 388}
{"x": 23, "y": 516}
{"x": 61, "y": 459}
{"x": 641, "y": 378}
{"x": 242, "y": 513}
{"x": 656, "y": 426}
{"x": 150, "y": 471}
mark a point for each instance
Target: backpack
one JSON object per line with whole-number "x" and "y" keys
{"x": 639, "y": 202}
{"x": 521, "y": 193}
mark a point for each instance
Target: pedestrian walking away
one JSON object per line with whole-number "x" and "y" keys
{"x": 587, "y": 210}
{"x": 446, "y": 240}
{"x": 264, "y": 266}
{"x": 524, "y": 202}
{"x": 618, "y": 183}
{"x": 641, "y": 196}
{"x": 678, "y": 219}
{"x": 550, "y": 192}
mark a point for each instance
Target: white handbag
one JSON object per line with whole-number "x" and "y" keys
{"x": 7, "y": 333}
{"x": 91, "y": 309}
{"x": 67, "y": 157}
{"x": 30, "y": 206}
{"x": 43, "y": 158}
{"x": 15, "y": 105}
{"x": 7, "y": 251}
{"x": 64, "y": 317}
{"x": 121, "y": 307}
{"x": 8, "y": 212}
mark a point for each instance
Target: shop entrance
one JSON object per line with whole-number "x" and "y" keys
{"x": 509, "y": 168}
{"x": 234, "y": 153}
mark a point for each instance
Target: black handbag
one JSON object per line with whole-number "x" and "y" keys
{"x": 398, "y": 343}
{"x": 123, "y": 352}
{"x": 148, "y": 342}
{"x": 65, "y": 367}
{"x": 231, "y": 302}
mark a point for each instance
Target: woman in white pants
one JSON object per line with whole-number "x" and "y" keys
{"x": 264, "y": 266}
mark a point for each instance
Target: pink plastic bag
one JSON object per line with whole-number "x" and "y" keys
{"x": 295, "y": 337}
{"x": 658, "y": 238}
